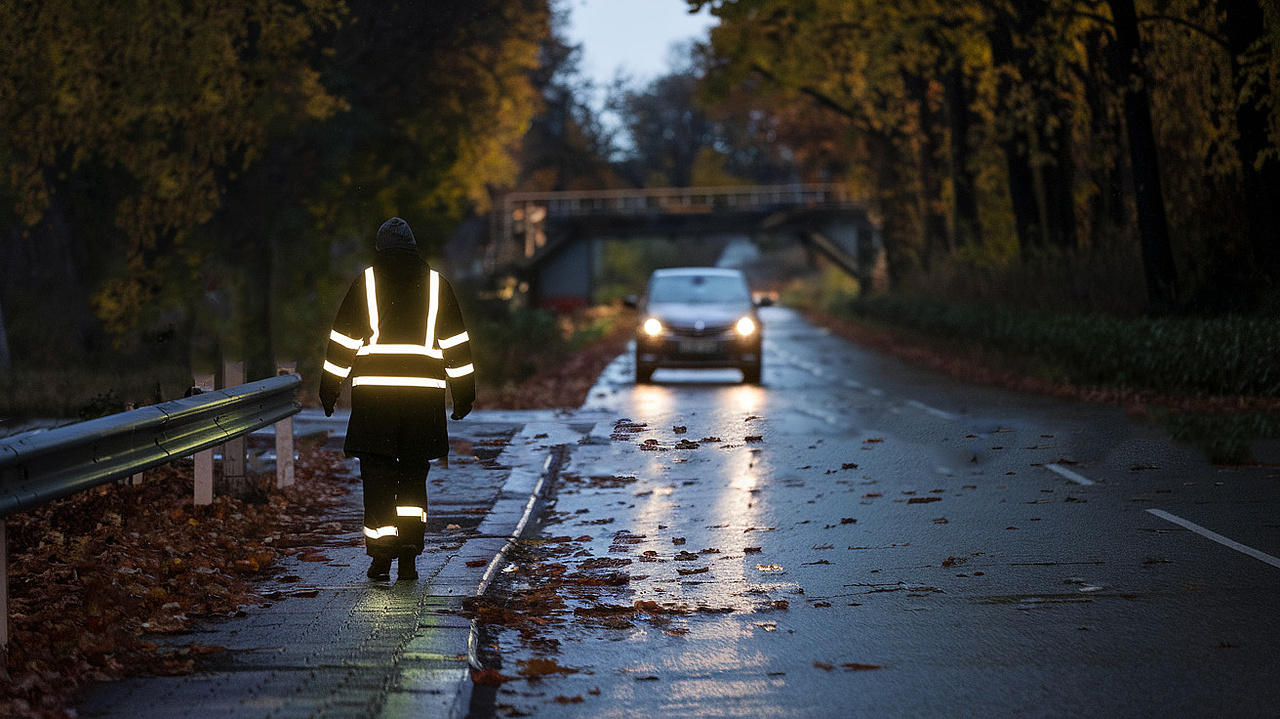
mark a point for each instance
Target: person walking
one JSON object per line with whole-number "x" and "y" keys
{"x": 400, "y": 338}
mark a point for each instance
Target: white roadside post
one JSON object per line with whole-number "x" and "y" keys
{"x": 234, "y": 466}
{"x": 284, "y": 437}
{"x": 204, "y": 458}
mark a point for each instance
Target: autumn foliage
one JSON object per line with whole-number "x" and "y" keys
{"x": 1092, "y": 146}
{"x": 98, "y": 580}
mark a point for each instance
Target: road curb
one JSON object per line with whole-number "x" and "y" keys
{"x": 511, "y": 496}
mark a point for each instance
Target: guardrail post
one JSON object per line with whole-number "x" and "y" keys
{"x": 284, "y": 437}
{"x": 203, "y": 470}
{"x": 234, "y": 475}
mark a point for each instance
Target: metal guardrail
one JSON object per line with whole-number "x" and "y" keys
{"x": 40, "y": 467}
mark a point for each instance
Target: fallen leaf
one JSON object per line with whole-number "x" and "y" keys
{"x": 489, "y": 678}
{"x": 923, "y": 500}
{"x": 856, "y": 667}
{"x": 769, "y": 567}
{"x": 823, "y": 666}
{"x": 538, "y": 667}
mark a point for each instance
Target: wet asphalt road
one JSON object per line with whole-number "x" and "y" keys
{"x": 865, "y": 539}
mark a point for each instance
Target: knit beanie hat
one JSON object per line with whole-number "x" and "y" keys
{"x": 395, "y": 232}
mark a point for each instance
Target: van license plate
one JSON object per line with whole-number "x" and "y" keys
{"x": 699, "y": 347}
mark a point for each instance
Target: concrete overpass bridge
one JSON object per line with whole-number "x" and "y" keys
{"x": 548, "y": 242}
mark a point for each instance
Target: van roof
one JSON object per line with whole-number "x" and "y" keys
{"x": 696, "y": 271}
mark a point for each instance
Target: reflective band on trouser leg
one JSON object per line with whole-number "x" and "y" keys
{"x": 454, "y": 341}
{"x": 398, "y": 382}
{"x": 332, "y": 368}
{"x": 381, "y": 532}
{"x": 417, "y": 512}
{"x": 350, "y": 343}
{"x": 462, "y": 371}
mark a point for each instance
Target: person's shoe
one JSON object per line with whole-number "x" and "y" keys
{"x": 380, "y": 569}
{"x": 406, "y": 568}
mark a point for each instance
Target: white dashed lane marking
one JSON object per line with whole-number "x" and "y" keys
{"x": 1208, "y": 534}
{"x": 1063, "y": 471}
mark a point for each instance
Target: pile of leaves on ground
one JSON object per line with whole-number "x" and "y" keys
{"x": 98, "y": 581}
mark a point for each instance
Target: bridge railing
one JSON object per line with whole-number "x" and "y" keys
{"x": 39, "y": 467}
{"x": 524, "y": 212}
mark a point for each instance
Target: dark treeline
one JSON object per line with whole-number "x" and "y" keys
{"x": 1097, "y": 154}
{"x": 184, "y": 181}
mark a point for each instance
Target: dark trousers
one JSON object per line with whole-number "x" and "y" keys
{"x": 395, "y": 505}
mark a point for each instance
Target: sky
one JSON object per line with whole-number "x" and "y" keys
{"x": 634, "y": 35}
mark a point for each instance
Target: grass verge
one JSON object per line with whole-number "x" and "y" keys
{"x": 1213, "y": 382}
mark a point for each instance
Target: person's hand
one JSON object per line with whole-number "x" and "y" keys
{"x": 461, "y": 410}
{"x": 328, "y": 398}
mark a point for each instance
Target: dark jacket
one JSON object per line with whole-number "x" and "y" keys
{"x": 398, "y": 363}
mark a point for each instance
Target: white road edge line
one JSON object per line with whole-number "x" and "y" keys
{"x": 931, "y": 410}
{"x": 1208, "y": 534}
{"x": 1068, "y": 474}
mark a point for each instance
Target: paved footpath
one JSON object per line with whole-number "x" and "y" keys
{"x": 331, "y": 643}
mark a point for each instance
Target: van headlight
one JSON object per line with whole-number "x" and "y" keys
{"x": 652, "y": 327}
{"x": 746, "y": 326}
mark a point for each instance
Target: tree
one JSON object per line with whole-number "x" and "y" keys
{"x": 1041, "y": 117}
{"x": 668, "y": 131}
{"x": 1251, "y": 29}
{"x": 218, "y": 167}
{"x": 1157, "y": 254}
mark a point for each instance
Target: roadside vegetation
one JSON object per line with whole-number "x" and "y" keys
{"x": 1212, "y": 380}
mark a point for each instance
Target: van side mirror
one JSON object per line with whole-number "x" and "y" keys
{"x": 765, "y": 302}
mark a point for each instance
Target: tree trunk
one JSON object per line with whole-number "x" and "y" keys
{"x": 968, "y": 227}
{"x": 1016, "y": 144}
{"x": 1107, "y": 215}
{"x": 1059, "y": 181}
{"x": 1153, "y": 227}
{"x": 6, "y": 361}
{"x": 1244, "y": 24}
{"x": 929, "y": 190}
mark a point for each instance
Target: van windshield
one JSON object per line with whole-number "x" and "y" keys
{"x": 700, "y": 289}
